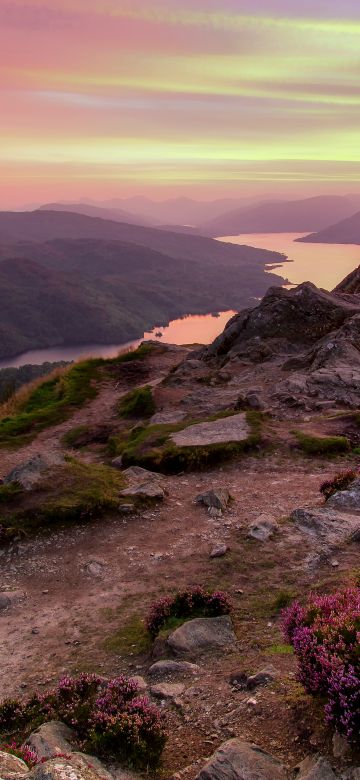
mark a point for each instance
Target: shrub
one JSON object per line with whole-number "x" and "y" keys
{"x": 325, "y": 638}
{"x": 341, "y": 481}
{"x": 24, "y": 752}
{"x": 191, "y": 602}
{"x": 108, "y": 716}
{"x": 137, "y": 403}
{"x": 322, "y": 445}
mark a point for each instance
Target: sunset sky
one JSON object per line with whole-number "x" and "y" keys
{"x": 166, "y": 97}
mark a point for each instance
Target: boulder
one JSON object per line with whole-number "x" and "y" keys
{"x": 346, "y": 499}
{"x": 167, "y": 691}
{"x": 171, "y": 417}
{"x": 325, "y": 523}
{"x": 263, "y": 528}
{"x": 12, "y": 767}
{"x": 202, "y": 635}
{"x": 315, "y": 768}
{"x": 28, "y": 474}
{"x": 168, "y": 668}
{"x": 218, "y": 498}
{"x": 225, "y": 430}
{"x": 51, "y": 739}
{"x": 238, "y": 760}
{"x": 76, "y": 766}
{"x": 143, "y": 484}
{"x": 249, "y": 683}
{"x": 219, "y": 551}
{"x": 117, "y": 463}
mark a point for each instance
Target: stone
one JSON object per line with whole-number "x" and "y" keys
{"x": 143, "y": 484}
{"x": 225, "y": 430}
{"x": 202, "y": 635}
{"x": 51, "y": 739}
{"x": 12, "y": 767}
{"x": 117, "y": 463}
{"x": 141, "y": 683}
{"x": 326, "y": 523}
{"x": 218, "y": 498}
{"x": 340, "y": 746}
{"x": 253, "y": 401}
{"x": 29, "y": 473}
{"x": 263, "y": 528}
{"x": 167, "y": 691}
{"x": 346, "y": 499}
{"x": 263, "y": 677}
{"x": 171, "y": 417}
{"x": 168, "y": 668}
{"x": 76, "y": 766}
{"x": 315, "y": 768}
{"x": 219, "y": 551}
{"x": 10, "y": 597}
{"x": 239, "y": 760}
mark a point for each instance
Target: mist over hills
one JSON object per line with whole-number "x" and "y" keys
{"x": 296, "y": 216}
{"x": 115, "y": 214}
{"x": 74, "y": 279}
{"x": 182, "y": 211}
{"x": 347, "y": 231}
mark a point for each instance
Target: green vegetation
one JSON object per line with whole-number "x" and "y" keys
{"x": 9, "y": 492}
{"x": 283, "y": 599}
{"x": 131, "y": 638}
{"x": 49, "y": 403}
{"x": 151, "y": 446}
{"x": 322, "y": 445}
{"x": 73, "y": 492}
{"x": 140, "y": 353}
{"x": 11, "y": 379}
{"x": 74, "y": 438}
{"x": 280, "y": 650}
{"x": 137, "y": 403}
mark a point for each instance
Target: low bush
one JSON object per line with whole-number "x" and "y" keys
{"x": 325, "y": 636}
{"x": 24, "y": 752}
{"x": 137, "y": 403}
{"x": 322, "y": 445}
{"x": 341, "y": 481}
{"x": 109, "y": 717}
{"x": 188, "y": 603}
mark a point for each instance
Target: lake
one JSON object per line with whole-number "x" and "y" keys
{"x": 201, "y": 329}
{"x": 323, "y": 264}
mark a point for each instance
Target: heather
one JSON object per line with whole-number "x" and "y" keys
{"x": 24, "y": 752}
{"x": 341, "y": 481}
{"x": 325, "y": 636}
{"x": 109, "y": 717}
{"x": 188, "y": 603}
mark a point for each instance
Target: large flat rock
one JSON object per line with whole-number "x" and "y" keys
{"x": 238, "y": 760}
{"x": 227, "y": 429}
{"x": 202, "y": 635}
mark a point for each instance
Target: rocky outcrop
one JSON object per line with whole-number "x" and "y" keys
{"x": 76, "y": 766}
{"x": 168, "y": 669}
{"x": 143, "y": 485}
{"x": 11, "y": 767}
{"x": 51, "y": 739}
{"x": 28, "y": 474}
{"x": 227, "y": 429}
{"x": 202, "y": 635}
{"x": 238, "y": 760}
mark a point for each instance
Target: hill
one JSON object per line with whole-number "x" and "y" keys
{"x": 347, "y": 231}
{"x": 296, "y": 216}
{"x": 95, "y": 291}
{"x": 118, "y": 215}
{"x": 180, "y": 211}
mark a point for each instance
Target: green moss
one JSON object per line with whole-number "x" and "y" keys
{"x": 50, "y": 403}
{"x": 137, "y": 403}
{"x": 72, "y": 492}
{"x": 280, "y": 650}
{"x": 131, "y": 638}
{"x": 73, "y": 437}
{"x": 283, "y": 599}
{"x": 322, "y": 445}
{"x": 10, "y": 492}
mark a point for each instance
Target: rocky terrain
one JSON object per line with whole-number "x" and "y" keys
{"x": 187, "y": 466}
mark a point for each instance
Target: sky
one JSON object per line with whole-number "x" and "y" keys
{"x": 105, "y": 98}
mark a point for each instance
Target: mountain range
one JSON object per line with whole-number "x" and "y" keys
{"x": 347, "y": 231}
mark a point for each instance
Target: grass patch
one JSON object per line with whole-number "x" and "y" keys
{"x": 151, "y": 446}
{"x": 131, "y": 638}
{"x": 280, "y": 650}
{"x": 322, "y": 445}
{"x": 73, "y": 492}
{"x": 10, "y": 492}
{"x": 137, "y": 403}
{"x": 140, "y": 353}
{"x": 49, "y": 403}
{"x": 283, "y": 599}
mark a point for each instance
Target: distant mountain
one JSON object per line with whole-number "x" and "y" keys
{"x": 347, "y": 231}
{"x": 296, "y": 216}
{"x": 118, "y": 215}
{"x": 86, "y": 285}
{"x": 176, "y": 211}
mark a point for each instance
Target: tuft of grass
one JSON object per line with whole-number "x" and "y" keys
{"x": 131, "y": 638}
{"x": 10, "y": 492}
{"x": 51, "y": 402}
{"x": 322, "y": 445}
{"x": 137, "y": 403}
{"x": 283, "y": 599}
{"x": 280, "y": 650}
{"x": 142, "y": 351}
{"x": 73, "y": 492}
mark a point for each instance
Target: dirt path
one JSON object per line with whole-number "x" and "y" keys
{"x": 84, "y": 584}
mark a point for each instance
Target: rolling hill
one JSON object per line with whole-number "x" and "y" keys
{"x": 296, "y": 216}
{"x": 347, "y": 231}
{"x": 117, "y": 215}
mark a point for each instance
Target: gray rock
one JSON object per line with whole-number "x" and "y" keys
{"x": 171, "y": 417}
{"x": 263, "y": 528}
{"x": 28, "y": 474}
{"x": 12, "y": 767}
{"x": 227, "y": 429}
{"x": 168, "y": 668}
{"x": 77, "y": 766}
{"x": 10, "y": 597}
{"x": 167, "y": 691}
{"x": 219, "y": 551}
{"x": 51, "y": 738}
{"x": 117, "y": 462}
{"x": 141, "y": 683}
{"x": 238, "y": 760}
{"x": 202, "y": 635}
{"x": 254, "y": 402}
{"x": 143, "y": 484}
{"x": 326, "y": 524}
{"x": 315, "y": 768}
{"x": 218, "y": 498}
{"x": 136, "y": 474}
{"x": 262, "y": 677}
{"x": 346, "y": 499}
{"x": 340, "y": 746}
